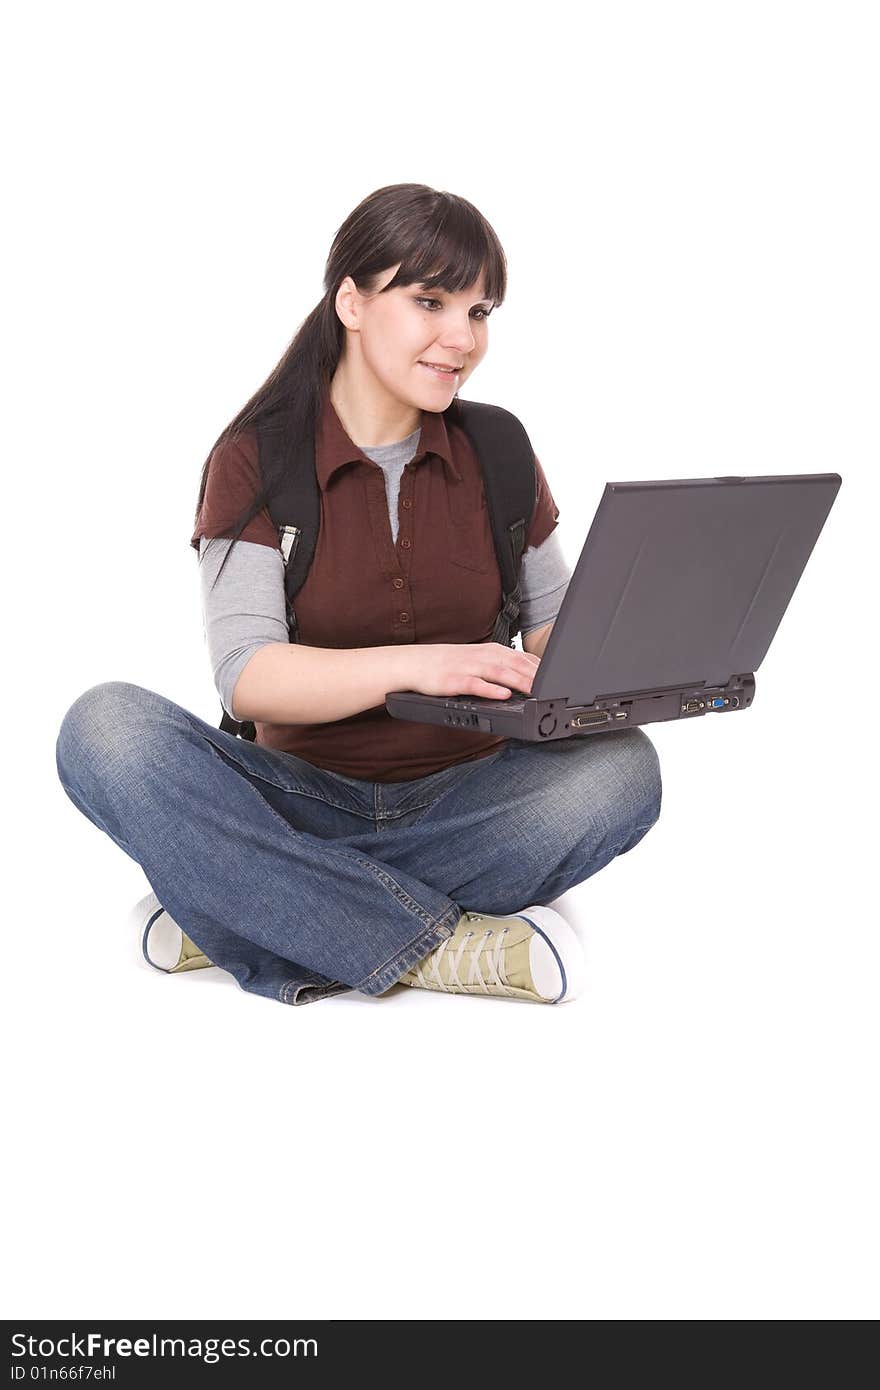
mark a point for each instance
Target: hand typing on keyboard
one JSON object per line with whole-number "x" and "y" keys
{"x": 476, "y": 669}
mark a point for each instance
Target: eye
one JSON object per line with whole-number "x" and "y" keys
{"x": 479, "y": 310}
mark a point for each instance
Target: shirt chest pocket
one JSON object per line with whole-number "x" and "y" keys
{"x": 470, "y": 541}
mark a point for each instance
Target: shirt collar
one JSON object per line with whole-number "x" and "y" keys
{"x": 334, "y": 448}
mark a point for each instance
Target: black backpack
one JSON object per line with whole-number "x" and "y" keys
{"x": 507, "y": 462}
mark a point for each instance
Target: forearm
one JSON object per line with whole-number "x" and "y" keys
{"x": 289, "y": 683}
{"x": 536, "y": 641}
{"x": 541, "y": 643}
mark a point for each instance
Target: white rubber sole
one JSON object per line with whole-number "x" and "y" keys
{"x": 556, "y": 956}
{"x": 161, "y": 937}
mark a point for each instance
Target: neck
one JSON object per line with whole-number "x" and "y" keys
{"x": 369, "y": 415}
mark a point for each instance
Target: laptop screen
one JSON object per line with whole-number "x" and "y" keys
{"x": 682, "y": 582}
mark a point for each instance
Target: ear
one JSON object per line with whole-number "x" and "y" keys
{"x": 346, "y": 303}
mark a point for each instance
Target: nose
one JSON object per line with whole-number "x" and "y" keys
{"x": 460, "y": 337}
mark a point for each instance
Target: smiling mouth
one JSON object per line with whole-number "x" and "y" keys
{"x": 441, "y": 371}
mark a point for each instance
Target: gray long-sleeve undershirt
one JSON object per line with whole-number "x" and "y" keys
{"x": 245, "y": 608}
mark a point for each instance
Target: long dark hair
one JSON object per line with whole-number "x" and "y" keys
{"x": 438, "y": 238}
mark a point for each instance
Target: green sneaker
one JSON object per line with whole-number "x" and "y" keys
{"x": 533, "y": 954}
{"x": 166, "y": 946}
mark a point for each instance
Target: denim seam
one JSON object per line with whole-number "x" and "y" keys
{"x": 408, "y": 810}
{"x": 331, "y": 852}
{"x": 400, "y": 893}
{"x": 308, "y": 977}
{"x": 334, "y": 987}
{"x": 426, "y": 806}
{"x": 285, "y": 787}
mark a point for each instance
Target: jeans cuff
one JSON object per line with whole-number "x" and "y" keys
{"x": 389, "y": 973}
{"x": 304, "y": 991}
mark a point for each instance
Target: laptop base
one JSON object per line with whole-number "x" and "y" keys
{"x": 537, "y": 721}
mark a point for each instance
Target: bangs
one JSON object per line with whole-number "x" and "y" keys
{"x": 460, "y": 251}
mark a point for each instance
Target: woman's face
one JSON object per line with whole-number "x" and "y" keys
{"x": 397, "y": 332}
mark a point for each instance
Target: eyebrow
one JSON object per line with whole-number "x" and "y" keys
{"x": 438, "y": 289}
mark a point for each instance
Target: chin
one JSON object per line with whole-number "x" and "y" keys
{"x": 435, "y": 405}
{"x": 438, "y": 400}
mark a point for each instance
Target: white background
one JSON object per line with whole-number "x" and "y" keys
{"x": 687, "y": 196}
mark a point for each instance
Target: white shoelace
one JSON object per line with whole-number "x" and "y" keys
{"x": 494, "y": 960}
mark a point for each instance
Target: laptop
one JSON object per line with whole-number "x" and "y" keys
{"x": 676, "y": 596}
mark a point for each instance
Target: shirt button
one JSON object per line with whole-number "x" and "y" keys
{"x": 406, "y": 543}
{"x": 398, "y": 583}
{"x": 407, "y": 501}
{"x": 404, "y": 617}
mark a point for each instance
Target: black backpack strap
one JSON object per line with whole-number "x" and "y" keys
{"x": 232, "y": 726}
{"x": 296, "y": 511}
{"x": 507, "y": 460}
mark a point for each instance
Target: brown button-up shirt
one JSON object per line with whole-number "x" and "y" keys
{"x": 439, "y": 583}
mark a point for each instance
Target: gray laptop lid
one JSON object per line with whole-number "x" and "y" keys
{"x": 681, "y": 582}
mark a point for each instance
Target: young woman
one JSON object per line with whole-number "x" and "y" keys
{"x": 343, "y": 849}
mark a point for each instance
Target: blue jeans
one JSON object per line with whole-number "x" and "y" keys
{"x": 303, "y": 883}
